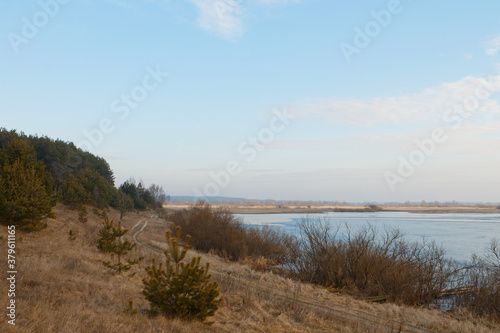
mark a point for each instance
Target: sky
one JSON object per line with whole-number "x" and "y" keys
{"x": 268, "y": 99}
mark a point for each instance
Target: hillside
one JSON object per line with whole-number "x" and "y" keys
{"x": 36, "y": 172}
{"x": 62, "y": 286}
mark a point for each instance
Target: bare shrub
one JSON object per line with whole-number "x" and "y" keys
{"x": 478, "y": 289}
{"x": 162, "y": 212}
{"x": 366, "y": 263}
{"x": 373, "y": 208}
{"x": 218, "y": 231}
{"x": 212, "y": 229}
{"x": 268, "y": 242}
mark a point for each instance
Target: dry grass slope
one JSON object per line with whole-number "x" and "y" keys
{"x": 62, "y": 286}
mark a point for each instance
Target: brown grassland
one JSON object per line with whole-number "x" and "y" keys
{"x": 304, "y": 209}
{"x": 62, "y": 286}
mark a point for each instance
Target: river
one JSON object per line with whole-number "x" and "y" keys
{"x": 461, "y": 235}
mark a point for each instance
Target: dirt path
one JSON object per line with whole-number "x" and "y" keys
{"x": 337, "y": 311}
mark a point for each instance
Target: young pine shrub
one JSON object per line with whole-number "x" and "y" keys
{"x": 71, "y": 235}
{"x": 111, "y": 241}
{"x": 106, "y": 236}
{"x": 181, "y": 289}
{"x": 130, "y": 310}
{"x": 82, "y": 214}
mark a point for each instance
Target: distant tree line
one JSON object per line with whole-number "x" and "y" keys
{"x": 36, "y": 172}
{"x": 317, "y": 203}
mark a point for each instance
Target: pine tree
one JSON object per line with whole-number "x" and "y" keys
{"x": 71, "y": 235}
{"x": 107, "y": 237}
{"x": 181, "y": 289}
{"x": 26, "y": 188}
{"x": 73, "y": 194}
{"x": 112, "y": 241}
{"x": 82, "y": 214}
{"x": 87, "y": 187}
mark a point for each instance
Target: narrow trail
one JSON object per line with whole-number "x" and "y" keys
{"x": 134, "y": 237}
{"x": 123, "y": 237}
{"x": 338, "y": 311}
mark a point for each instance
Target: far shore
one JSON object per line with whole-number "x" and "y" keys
{"x": 239, "y": 209}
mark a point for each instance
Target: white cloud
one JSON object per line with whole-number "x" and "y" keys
{"x": 493, "y": 46}
{"x": 223, "y": 17}
{"x": 429, "y": 105}
{"x": 468, "y": 140}
{"x": 475, "y": 140}
{"x": 373, "y": 142}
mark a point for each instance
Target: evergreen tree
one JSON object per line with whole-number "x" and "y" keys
{"x": 82, "y": 214}
{"x": 61, "y": 158}
{"x": 148, "y": 198}
{"x": 141, "y": 197}
{"x": 97, "y": 187}
{"x": 87, "y": 187}
{"x": 107, "y": 237}
{"x": 181, "y": 289}
{"x": 27, "y": 197}
{"x": 73, "y": 194}
{"x": 112, "y": 241}
{"x": 71, "y": 235}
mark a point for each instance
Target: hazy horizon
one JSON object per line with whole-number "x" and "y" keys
{"x": 387, "y": 101}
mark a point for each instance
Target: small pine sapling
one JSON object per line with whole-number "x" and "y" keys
{"x": 101, "y": 213}
{"x": 130, "y": 308}
{"x": 72, "y": 235}
{"x": 181, "y": 289}
{"x": 82, "y": 214}
{"x": 107, "y": 237}
{"x": 112, "y": 241}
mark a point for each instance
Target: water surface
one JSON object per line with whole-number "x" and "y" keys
{"x": 461, "y": 235}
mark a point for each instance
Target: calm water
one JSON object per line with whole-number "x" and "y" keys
{"x": 461, "y": 235}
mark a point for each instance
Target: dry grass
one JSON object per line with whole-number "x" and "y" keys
{"x": 62, "y": 286}
{"x": 306, "y": 209}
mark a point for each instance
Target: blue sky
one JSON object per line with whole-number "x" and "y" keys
{"x": 313, "y": 99}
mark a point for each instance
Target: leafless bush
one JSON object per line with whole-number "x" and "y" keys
{"x": 268, "y": 242}
{"x": 219, "y": 231}
{"x": 212, "y": 229}
{"x": 479, "y": 285}
{"x": 373, "y": 208}
{"x": 162, "y": 212}
{"x": 367, "y": 263}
